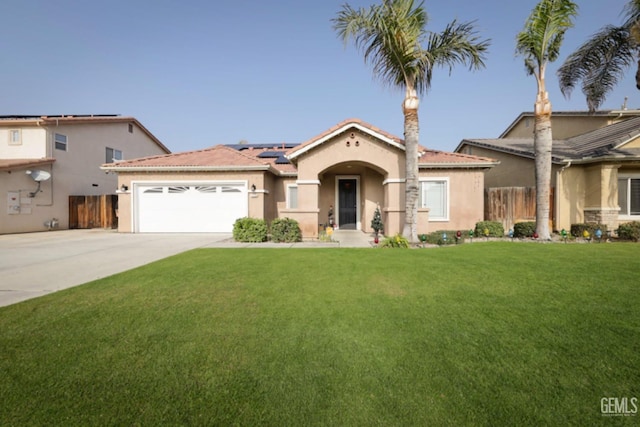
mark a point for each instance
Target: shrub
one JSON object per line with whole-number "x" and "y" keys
{"x": 577, "y": 230}
{"x": 250, "y": 230}
{"x": 397, "y": 241}
{"x": 629, "y": 231}
{"x": 285, "y": 230}
{"x": 436, "y": 237}
{"x": 496, "y": 229}
{"x": 524, "y": 229}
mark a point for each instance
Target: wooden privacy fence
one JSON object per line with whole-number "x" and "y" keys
{"x": 509, "y": 205}
{"x": 93, "y": 211}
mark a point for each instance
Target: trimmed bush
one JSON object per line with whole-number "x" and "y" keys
{"x": 397, "y": 241}
{"x": 496, "y": 229}
{"x": 577, "y": 230}
{"x": 524, "y": 229}
{"x": 629, "y": 231}
{"x": 285, "y": 230}
{"x": 250, "y": 230}
{"x": 436, "y": 238}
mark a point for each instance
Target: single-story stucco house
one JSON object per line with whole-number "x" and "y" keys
{"x": 347, "y": 170}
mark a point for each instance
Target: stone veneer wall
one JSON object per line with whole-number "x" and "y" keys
{"x": 603, "y": 216}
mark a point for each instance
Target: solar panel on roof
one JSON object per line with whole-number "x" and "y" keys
{"x": 282, "y": 160}
{"x": 270, "y": 154}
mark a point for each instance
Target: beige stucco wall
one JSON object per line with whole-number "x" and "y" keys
{"x": 513, "y": 171}
{"x": 570, "y": 197}
{"x": 563, "y": 126}
{"x": 32, "y": 146}
{"x": 588, "y": 193}
{"x": 635, "y": 143}
{"x": 466, "y": 198}
{"x": 75, "y": 171}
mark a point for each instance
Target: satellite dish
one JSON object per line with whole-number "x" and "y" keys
{"x": 39, "y": 175}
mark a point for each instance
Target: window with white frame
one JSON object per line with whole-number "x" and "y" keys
{"x": 292, "y": 196}
{"x": 113, "y": 155}
{"x": 434, "y": 195}
{"x": 60, "y": 141}
{"x": 15, "y": 137}
{"x": 629, "y": 195}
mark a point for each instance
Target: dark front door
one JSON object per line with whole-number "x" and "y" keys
{"x": 347, "y": 204}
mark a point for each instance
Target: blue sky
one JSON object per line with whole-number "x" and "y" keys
{"x": 202, "y": 73}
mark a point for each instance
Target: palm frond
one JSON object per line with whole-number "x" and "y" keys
{"x": 457, "y": 44}
{"x": 391, "y": 36}
{"x": 541, "y": 39}
{"x": 599, "y": 64}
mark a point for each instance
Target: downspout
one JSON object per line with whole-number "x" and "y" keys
{"x": 50, "y": 140}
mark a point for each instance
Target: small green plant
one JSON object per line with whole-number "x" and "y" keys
{"x": 629, "y": 231}
{"x": 285, "y": 230}
{"x": 577, "y": 230}
{"x": 251, "y": 230}
{"x": 438, "y": 237}
{"x": 524, "y": 229}
{"x": 376, "y": 222}
{"x": 495, "y": 229}
{"x": 397, "y": 241}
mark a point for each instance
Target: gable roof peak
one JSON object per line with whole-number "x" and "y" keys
{"x": 340, "y": 128}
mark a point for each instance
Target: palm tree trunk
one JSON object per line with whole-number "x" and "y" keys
{"x": 542, "y": 141}
{"x": 411, "y": 138}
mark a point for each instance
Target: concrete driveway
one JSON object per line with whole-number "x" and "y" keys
{"x": 35, "y": 264}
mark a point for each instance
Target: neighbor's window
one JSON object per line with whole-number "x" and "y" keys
{"x": 130, "y": 127}
{"x": 15, "y": 137}
{"x": 292, "y": 197}
{"x": 434, "y": 194}
{"x": 113, "y": 155}
{"x": 60, "y": 141}
{"x": 629, "y": 196}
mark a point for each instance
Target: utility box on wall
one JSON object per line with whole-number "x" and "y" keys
{"x": 13, "y": 202}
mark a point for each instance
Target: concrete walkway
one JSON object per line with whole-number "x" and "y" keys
{"x": 35, "y": 264}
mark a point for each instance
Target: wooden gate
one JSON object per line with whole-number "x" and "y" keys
{"x": 93, "y": 211}
{"x": 510, "y": 205}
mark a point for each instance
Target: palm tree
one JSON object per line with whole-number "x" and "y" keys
{"x": 391, "y": 36}
{"x": 539, "y": 43}
{"x": 601, "y": 62}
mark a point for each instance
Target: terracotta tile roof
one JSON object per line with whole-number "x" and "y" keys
{"x": 216, "y": 157}
{"x": 435, "y": 158}
{"x": 345, "y": 124}
{"x": 8, "y": 164}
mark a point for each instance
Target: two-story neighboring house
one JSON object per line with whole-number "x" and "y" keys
{"x": 595, "y": 165}
{"x": 46, "y": 159}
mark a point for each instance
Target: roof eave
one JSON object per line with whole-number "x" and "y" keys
{"x": 184, "y": 168}
{"x": 588, "y": 160}
{"x": 458, "y": 165}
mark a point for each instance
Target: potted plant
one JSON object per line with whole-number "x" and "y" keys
{"x": 376, "y": 223}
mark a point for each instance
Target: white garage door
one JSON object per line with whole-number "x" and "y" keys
{"x": 189, "y": 208}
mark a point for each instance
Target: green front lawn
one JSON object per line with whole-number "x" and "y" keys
{"x": 485, "y": 333}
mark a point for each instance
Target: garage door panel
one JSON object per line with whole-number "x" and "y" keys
{"x": 184, "y": 208}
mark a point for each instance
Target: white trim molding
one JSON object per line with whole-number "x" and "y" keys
{"x": 308, "y": 182}
{"x": 394, "y": 181}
